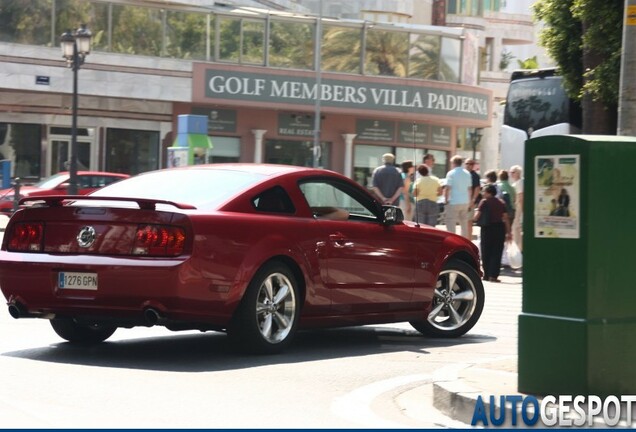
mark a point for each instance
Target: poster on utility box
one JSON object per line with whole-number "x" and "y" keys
{"x": 557, "y": 186}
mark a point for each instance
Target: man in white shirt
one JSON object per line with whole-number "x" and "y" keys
{"x": 458, "y": 193}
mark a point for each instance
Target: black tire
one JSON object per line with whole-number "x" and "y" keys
{"x": 266, "y": 320}
{"x": 81, "y": 333}
{"x": 457, "y": 303}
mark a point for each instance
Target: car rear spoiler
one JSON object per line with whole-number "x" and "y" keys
{"x": 143, "y": 203}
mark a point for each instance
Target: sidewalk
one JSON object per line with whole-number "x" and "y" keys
{"x": 456, "y": 395}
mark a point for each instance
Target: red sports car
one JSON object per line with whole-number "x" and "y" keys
{"x": 258, "y": 251}
{"x": 57, "y": 184}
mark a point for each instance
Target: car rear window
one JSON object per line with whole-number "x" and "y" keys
{"x": 203, "y": 188}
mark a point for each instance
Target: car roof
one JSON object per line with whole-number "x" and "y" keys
{"x": 97, "y": 173}
{"x": 256, "y": 168}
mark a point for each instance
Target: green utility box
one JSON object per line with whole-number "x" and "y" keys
{"x": 577, "y": 330}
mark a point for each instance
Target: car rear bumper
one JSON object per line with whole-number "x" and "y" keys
{"x": 129, "y": 291}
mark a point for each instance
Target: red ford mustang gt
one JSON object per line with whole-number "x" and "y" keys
{"x": 258, "y": 251}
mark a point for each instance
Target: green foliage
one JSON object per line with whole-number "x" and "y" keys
{"x": 591, "y": 27}
{"x": 341, "y": 48}
{"x": 26, "y": 21}
{"x": 506, "y": 58}
{"x": 424, "y": 59}
{"x": 291, "y": 45}
{"x": 529, "y": 63}
{"x": 185, "y": 35}
{"x": 387, "y": 53}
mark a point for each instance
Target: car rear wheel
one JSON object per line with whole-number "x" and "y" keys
{"x": 457, "y": 303}
{"x": 266, "y": 319}
{"x": 81, "y": 333}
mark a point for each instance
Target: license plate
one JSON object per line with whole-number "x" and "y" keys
{"x": 74, "y": 280}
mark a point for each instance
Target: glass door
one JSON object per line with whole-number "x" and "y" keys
{"x": 59, "y": 152}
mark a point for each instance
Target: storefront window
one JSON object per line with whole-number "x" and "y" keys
{"x": 424, "y": 56}
{"x": 253, "y": 42}
{"x": 291, "y": 45}
{"x": 229, "y": 39}
{"x": 341, "y": 49}
{"x": 185, "y": 35}
{"x": 409, "y": 154}
{"x": 21, "y": 143}
{"x": 26, "y": 22}
{"x": 441, "y": 163}
{"x": 451, "y": 57}
{"x": 225, "y": 149}
{"x": 137, "y": 30}
{"x": 386, "y": 53}
{"x": 72, "y": 13}
{"x": 131, "y": 151}
{"x": 367, "y": 158}
{"x": 300, "y": 153}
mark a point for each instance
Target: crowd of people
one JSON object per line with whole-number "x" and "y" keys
{"x": 496, "y": 206}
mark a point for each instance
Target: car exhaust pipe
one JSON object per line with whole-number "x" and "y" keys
{"x": 16, "y": 310}
{"x": 153, "y": 317}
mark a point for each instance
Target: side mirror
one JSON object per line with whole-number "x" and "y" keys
{"x": 392, "y": 215}
{"x": 63, "y": 186}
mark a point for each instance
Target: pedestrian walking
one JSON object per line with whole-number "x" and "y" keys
{"x": 508, "y": 194}
{"x": 426, "y": 190}
{"x": 495, "y": 230}
{"x": 406, "y": 200}
{"x": 457, "y": 194}
{"x": 517, "y": 183}
{"x": 475, "y": 195}
{"x": 387, "y": 181}
{"x": 429, "y": 161}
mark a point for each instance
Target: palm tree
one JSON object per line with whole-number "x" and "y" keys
{"x": 386, "y": 53}
{"x": 424, "y": 60}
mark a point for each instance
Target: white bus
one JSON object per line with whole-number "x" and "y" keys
{"x": 536, "y": 105}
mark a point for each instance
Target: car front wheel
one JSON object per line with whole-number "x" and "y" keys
{"x": 457, "y": 302}
{"x": 266, "y": 319}
{"x": 81, "y": 333}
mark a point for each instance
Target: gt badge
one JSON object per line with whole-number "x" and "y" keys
{"x": 86, "y": 236}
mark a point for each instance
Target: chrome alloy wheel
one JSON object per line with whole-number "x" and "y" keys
{"x": 454, "y": 300}
{"x": 275, "y": 307}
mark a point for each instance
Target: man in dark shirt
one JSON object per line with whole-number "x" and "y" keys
{"x": 387, "y": 181}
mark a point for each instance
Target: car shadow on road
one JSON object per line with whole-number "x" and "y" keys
{"x": 211, "y": 351}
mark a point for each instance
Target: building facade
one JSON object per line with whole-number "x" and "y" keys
{"x": 266, "y": 80}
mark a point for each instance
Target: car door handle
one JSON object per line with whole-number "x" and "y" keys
{"x": 338, "y": 239}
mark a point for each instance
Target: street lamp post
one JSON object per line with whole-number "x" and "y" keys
{"x": 75, "y": 47}
{"x": 475, "y": 138}
{"x": 317, "y": 59}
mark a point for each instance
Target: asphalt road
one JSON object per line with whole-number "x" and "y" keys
{"x": 373, "y": 376}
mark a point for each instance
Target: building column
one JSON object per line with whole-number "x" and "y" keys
{"x": 258, "y": 144}
{"x": 348, "y": 156}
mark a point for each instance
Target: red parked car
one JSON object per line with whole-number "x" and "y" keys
{"x": 258, "y": 251}
{"x": 57, "y": 184}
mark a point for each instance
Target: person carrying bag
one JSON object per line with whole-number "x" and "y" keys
{"x": 492, "y": 217}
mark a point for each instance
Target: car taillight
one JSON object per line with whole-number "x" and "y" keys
{"x": 158, "y": 240}
{"x": 26, "y": 237}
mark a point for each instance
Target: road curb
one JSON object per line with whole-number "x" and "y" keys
{"x": 455, "y": 399}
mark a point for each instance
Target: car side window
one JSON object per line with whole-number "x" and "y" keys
{"x": 274, "y": 200}
{"x": 83, "y": 182}
{"x": 108, "y": 180}
{"x": 324, "y": 198}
